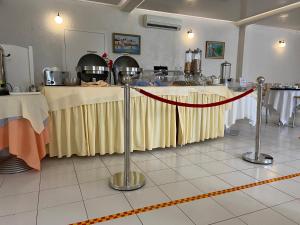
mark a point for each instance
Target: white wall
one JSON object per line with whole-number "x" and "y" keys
{"x": 30, "y": 22}
{"x": 263, "y": 56}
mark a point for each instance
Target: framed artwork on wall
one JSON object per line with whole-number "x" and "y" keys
{"x": 126, "y": 43}
{"x": 215, "y": 50}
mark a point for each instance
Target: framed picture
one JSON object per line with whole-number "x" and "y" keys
{"x": 215, "y": 50}
{"x": 126, "y": 43}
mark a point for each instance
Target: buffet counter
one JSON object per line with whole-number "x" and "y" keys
{"x": 89, "y": 120}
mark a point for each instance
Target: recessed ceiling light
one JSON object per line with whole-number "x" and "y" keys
{"x": 284, "y": 15}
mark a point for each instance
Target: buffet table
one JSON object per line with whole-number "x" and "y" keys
{"x": 23, "y": 127}
{"x": 89, "y": 120}
{"x": 282, "y": 101}
{"x": 244, "y": 108}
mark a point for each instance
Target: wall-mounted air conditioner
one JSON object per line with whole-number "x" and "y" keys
{"x": 159, "y": 22}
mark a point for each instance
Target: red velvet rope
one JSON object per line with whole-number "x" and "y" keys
{"x": 194, "y": 105}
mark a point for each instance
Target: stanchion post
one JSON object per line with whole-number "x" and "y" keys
{"x": 257, "y": 157}
{"x": 127, "y": 180}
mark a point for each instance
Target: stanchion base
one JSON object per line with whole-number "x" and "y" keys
{"x": 263, "y": 159}
{"x": 136, "y": 181}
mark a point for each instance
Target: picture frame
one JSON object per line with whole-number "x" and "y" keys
{"x": 215, "y": 50}
{"x": 126, "y": 43}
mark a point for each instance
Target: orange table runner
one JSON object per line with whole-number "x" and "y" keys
{"x": 19, "y": 137}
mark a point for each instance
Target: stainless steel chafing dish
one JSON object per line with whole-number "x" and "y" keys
{"x": 92, "y": 67}
{"x": 126, "y": 69}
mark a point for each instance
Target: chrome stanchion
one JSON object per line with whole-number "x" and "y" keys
{"x": 257, "y": 157}
{"x": 127, "y": 180}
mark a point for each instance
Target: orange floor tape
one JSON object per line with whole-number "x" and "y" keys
{"x": 180, "y": 201}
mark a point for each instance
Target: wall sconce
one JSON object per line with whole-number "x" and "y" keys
{"x": 190, "y": 34}
{"x": 281, "y": 43}
{"x": 58, "y": 19}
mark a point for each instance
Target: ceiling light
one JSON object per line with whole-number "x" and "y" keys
{"x": 190, "y": 34}
{"x": 281, "y": 43}
{"x": 58, "y": 19}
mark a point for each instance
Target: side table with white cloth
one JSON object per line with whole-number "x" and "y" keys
{"x": 282, "y": 101}
{"x": 244, "y": 108}
{"x": 23, "y": 131}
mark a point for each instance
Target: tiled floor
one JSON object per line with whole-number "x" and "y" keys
{"x": 75, "y": 189}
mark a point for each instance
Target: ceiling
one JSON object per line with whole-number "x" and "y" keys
{"x": 233, "y": 10}
{"x": 290, "y": 20}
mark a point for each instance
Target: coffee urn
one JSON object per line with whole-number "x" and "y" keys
{"x": 225, "y": 72}
{"x": 3, "y": 89}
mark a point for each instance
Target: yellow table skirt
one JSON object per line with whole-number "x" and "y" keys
{"x": 98, "y": 128}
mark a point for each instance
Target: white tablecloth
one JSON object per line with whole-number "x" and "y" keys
{"x": 31, "y": 107}
{"x": 282, "y": 101}
{"x": 60, "y": 98}
{"x": 244, "y": 108}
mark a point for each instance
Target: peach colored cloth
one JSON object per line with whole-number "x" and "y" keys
{"x": 23, "y": 142}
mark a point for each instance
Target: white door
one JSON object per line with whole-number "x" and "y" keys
{"x": 79, "y": 43}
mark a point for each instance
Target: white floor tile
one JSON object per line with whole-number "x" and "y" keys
{"x": 238, "y": 203}
{"x": 130, "y": 220}
{"x": 120, "y": 167}
{"x": 295, "y": 164}
{"x": 58, "y": 180}
{"x": 261, "y": 173}
{"x": 112, "y": 160}
{"x": 142, "y": 156}
{"x": 231, "y": 222}
{"x": 238, "y": 164}
{"x": 205, "y": 211}
{"x": 11, "y": 184}
{"x": 87, "y": 162}
{"x": 59, "y": 196}
{"x": 266, "y": 217}
{"x": 282, "y": 169}
{"x": 165, "y": 176}
{"x": 57, "y": 166}
{"x": 220, "y": 155}
{"x": 210, "y": 184}
{"x": 18, "y": 203}
{"x": 164, "y": 153}
{"x": 180, "y": 190}
{"x": 62, "y": 215}
{"x": 92, "y": 175}
{"x": 27, "y": 218}
{"x": 289, "y": 187}
{"x": 96, "y": 189}
{"x": 145, "y": 197}
{"x": 107, "y": 205}
{"x": 191, "y": 172}
{"x": 290, "y": 209}
{"x": 151, "y": 165}
{"x": 267, "y": 195}
{"x": 216, "y": 167}
{"x": 236, "y": 178}
{"x": 165, "y": 216}
{"x": 199, "y": 158}
{"x": 177, "y": 161}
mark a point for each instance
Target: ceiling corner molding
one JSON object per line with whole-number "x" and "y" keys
{"x": 253, "y": 19}
{"x": 130, "y": 5}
